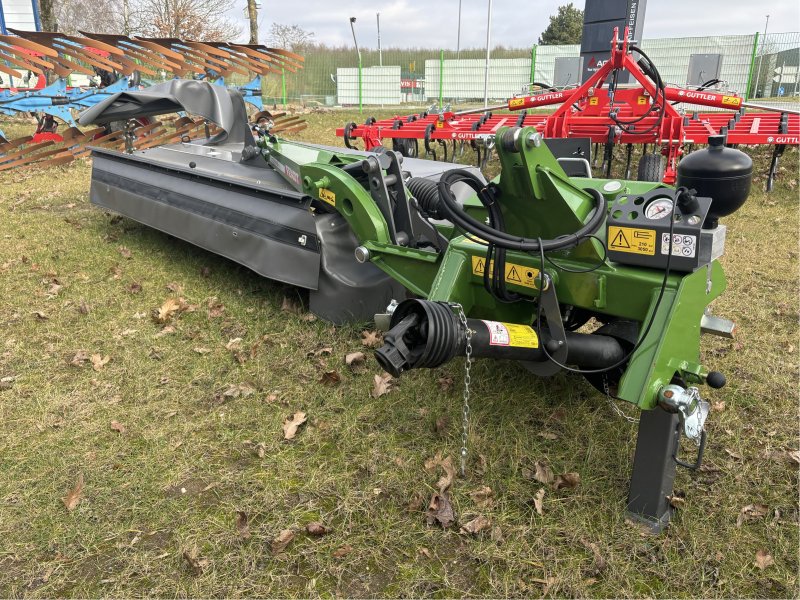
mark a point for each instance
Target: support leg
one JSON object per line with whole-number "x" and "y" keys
{"x": 654, "y": 468}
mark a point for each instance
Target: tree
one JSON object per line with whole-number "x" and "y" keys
{"x": 289, "y": 37}
{"x": 106, "y": 16}
{"x": 47, "y": 15}
{"x": 185, "y": 19}
{"x": 566, "y": 27}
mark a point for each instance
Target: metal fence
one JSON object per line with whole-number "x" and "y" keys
{"x": 765, "y": 69}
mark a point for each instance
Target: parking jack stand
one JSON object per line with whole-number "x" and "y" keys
{"x": 654, "y": 468}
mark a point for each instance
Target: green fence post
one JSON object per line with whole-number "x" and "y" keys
{"x": 533, "y": 63}
{"x": 752, "y": 66}
{"x": 283, "y": 86}
{"x": 360, "y": 89}
{"x": 441, "y": 76}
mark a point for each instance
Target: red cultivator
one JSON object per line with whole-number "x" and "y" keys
{"x": 645, "y": 113}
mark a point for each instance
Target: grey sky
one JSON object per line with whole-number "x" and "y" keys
{"x": 517, "y": 23}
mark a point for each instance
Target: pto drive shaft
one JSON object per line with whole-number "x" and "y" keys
{"x": 428, "y": 334}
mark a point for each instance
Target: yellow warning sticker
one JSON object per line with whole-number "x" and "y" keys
{"x": 516, "y": 102}
{"x": 511, "y": 334}
{"x": 328, "y": 196}
{"x": 631, "y": 239}
{"x": 732, "y": 100}
{"x": 594, "y": 100}
{"x": 516, "y": 274}
{"x": 641, "y": 100}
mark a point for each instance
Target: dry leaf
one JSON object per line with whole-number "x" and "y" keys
{"x": 201, "y": 350}
{"x": 440, "y": 511}
{"x": 676, "y": 500}
{"x": 476, "y": 525}
{"x": 330, "y": 378}
{"x": 497, "y": 534}
{"x": 242, "y": 525}
{"x": 81, "y": 356}
{"x": 117, "y": 426}
{"x": 718, "y": 406}
{"x": 795, "y": 456}
{"x": 382, "y": 384}
{"x": 763, "y": 559}
{"x": 567, "y": 480}
{"x": 40, "y": 315}
{"x": 135, "y": 288}
{"x": 483, "y": 497}
{"x": 445, "y": 383}
{"x": 732, "y": 454}
{"x": 425, "y": 552}
{"x": 343, "y": 551}
{"x": 234, "y": 344}
{"x": 547, "y": 435}
{"x": 74, "y": 496}
{"x": 542, "y": 473}
{"x": 538, "y": 501}
{"x": 280, "y": 543}
{"x": 99, "y": 361}
{"x": 236, "y": 390}
{"x": 205, "y": 272}
{"x": 446, "y": 464}
{"x": 291, "y": 424}
{"x": 371, "y": 339}
{"x": 215, "y": 309}
{"x": 317, "y": 528}
{"x": 125, "y": 252}
{"x": 751, "y": 511}
{"x": 354, "y": 359}
{"x": 83, "y": 308}
{"x": 196, "y": 564}
{"x": 291, "y": 306}
{"x": 600, "y": 563}
{"x": 168, "y": 309}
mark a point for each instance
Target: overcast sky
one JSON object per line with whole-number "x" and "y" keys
{"x": 517, "y": 23}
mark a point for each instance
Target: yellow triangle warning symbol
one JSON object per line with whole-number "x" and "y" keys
{"x": 620, "y": 241}
{"x": 479, "y": 267}
{"x": 513, "y": 275}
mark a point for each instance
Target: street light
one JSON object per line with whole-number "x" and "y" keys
{"x": 355, "y": 41}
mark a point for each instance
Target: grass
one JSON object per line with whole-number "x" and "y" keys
{"x": 191, "y": 456}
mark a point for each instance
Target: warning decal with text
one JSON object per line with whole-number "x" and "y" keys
{"x": 632, "y": 239}
{"x": 516, "y": 274}
{"x": 511, "y": 334}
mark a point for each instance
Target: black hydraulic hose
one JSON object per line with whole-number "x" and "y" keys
{"x": 450, "y": 209}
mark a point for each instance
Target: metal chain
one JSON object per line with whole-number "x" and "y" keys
{"x": 613, "y": 404}
{"x": 467, "y": 380}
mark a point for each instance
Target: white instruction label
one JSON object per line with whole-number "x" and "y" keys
{"x": 682, "y": 245}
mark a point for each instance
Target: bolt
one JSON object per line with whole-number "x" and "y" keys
{"x": 534, "y": 140}
{"x": 362, "y": 254}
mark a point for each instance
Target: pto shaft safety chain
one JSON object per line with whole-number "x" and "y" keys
{"x": 613, "y": 404}
{"x": 467, "y": 380}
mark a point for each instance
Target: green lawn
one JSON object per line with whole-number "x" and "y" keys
{"x": 182, "y": 428}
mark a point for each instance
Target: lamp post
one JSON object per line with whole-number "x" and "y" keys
{"x": 488, "y": 56}
{"x": 355, "y": 41}
{"x": 761, "y": 58}
{"x": 380, "y": 54}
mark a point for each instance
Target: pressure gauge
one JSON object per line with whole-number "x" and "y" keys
{"x": 659, "y": 208}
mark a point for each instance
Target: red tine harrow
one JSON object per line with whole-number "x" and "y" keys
{"x": 645, "y": 113}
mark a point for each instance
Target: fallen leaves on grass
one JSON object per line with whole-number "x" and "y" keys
{"x": 280, "y": 543}
{"x": 371, "y": 339}
{"x": 440, "y": 511}
{"x": 236, "y": 390}
{"x": 548, "y": 435}
{"x": 441, "y": 424}
{"x": 99, "y": 361}
{"x": 215, "y": 309}
{"x": 317, "y": 529}
{"x": 41, "y": 315}
{"x": 446, "y": 464}
{"x": 483, "y": 497}
{"x": 196, "y": 563}
{"x": 542, "y": 473}
{"x": 290, "y": 305}
{"x": 750, "y": 512}
{"x": 445, "y": 383}
{"x": 538, "y": 501}
{"x": 476, "y": 525}
{"x": 169, "y": 309}
{"x": 200, "y": 350}
{"x": 382, "y": 384}
{"x": 81, "y": 356}
{"x": 135, "y": 288}
{"x": 330, "y": 378}
{"x": 117, "y": 426}
{"x": 291, "y": 424}
{"x": 75, "y": 495}
{"x": 763, "y": 559}
{"x": 342, "y": 551}
{"x": 125, "y": 252}
{"x": 600, "y": 562}
{"x": 567, "y": 481}
{"x": 242, "y": 525}
{"x": 354, "y": 359}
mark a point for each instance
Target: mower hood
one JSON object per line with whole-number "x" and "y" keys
{"x": 220, "y": 105}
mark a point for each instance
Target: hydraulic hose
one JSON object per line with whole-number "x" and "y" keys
{"x": 449, "y": 209}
